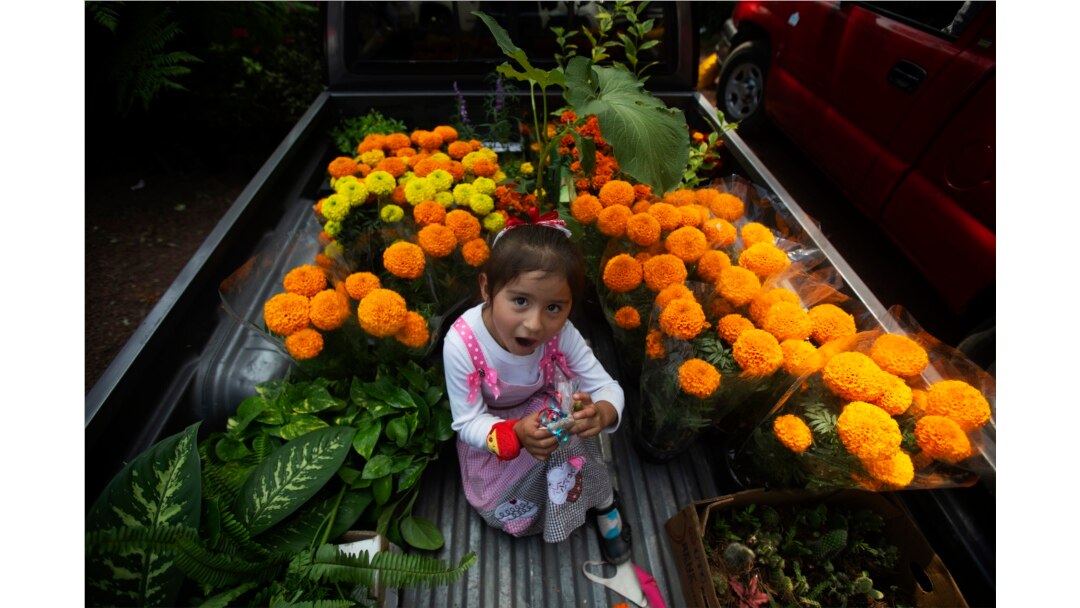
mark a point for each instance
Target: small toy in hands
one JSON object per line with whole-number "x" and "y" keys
{"x": 559, "y": 421}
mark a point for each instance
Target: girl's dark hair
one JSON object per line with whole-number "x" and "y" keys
{"x": 529, "y": 248}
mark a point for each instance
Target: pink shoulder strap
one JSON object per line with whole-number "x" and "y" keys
{"x": 552, "y": 357}
{"x": 482, "y": 374}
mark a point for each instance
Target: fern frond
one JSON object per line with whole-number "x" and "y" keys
{"x": 222, "y": 600}
{"x": 104, "y": 15}
{"x": 221, "y": 569}
{"x": 137, "y": 538}
{"x": 393, "y": 569}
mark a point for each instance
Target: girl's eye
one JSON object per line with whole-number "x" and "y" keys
{"x": 554, "y": 308}
{"x": 519, "y": 301}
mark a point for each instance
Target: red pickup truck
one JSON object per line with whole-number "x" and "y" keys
{"x": 895, "y": 102}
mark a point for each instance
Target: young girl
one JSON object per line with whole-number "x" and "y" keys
{"x": 502, "y": 359}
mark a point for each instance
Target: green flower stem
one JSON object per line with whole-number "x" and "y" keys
{"x": 332, "y": 516}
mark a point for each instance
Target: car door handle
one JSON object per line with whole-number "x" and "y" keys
{"x": 906, "y": 75}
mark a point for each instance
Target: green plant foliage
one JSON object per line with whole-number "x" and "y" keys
{"x": 394, "y": 569}
{"x": 352, "y": 131}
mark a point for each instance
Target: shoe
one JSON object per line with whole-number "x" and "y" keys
{"x": 616, "y": 550}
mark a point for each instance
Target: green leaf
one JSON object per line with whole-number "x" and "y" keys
{"x": 304, "y": 528}
{"x": 586, "y": 152}
{"x": 229, "y": 449}
{"x": 400, "y": 462}
{"x": 433, "y": 394}
{"x": 367, "y": 436}
{"x": 377, "y": 467}
{"x": 415, "y": 376}
{"x": 301, "y": 425}
{"x": 544, "y": 78}
{"x": 293, "y": 474}
{"x": 397, "y": 430}
{"x": 441, "y": 420}
{"x": 421, "y": 533}
{"x": 317, "y": 399}
{"x": 411, "y": 474}
{"x": 161, "y": 487}
{"x": 381, "y": 489}
{"x": 247, "y": 411}
{"x": 649, "y": 139}
{"x": 223, "y": 599}
{"x": 385, "y": 389}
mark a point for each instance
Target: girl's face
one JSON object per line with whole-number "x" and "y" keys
{"x": 527, "y": 311}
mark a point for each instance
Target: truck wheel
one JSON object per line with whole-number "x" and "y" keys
{"x": 740, "y": 94}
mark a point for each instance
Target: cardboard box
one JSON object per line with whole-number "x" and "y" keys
{"x": 355, "y": 541}
{"x": 920, "y": 570}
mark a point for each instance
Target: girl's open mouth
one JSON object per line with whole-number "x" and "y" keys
{"x": 525, "y": 342}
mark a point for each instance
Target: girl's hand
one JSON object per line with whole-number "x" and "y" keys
{"x": 592, "y": 417}
{"x": 537, "y": 440}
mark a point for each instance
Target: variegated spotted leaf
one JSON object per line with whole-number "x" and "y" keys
{"x": 301, "y": 425}
{"x": 304, "y": 528}
{"x": 160, "y": 487}
{"x": 291, "y": 476}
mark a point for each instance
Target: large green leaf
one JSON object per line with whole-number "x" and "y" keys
{"x": 544, "y": 78}
{"x": 650, "y": 140}
{"x": 378, "y": 466}
{"x": 158, "y": 488}
{"x": 385, "y": 389}
{"x": 368, "y": 431}
{"x": 421, "y": 533}
{"x": 302, "y": 529}
{"x": 316, "y": 398}
{"x": 291, "y": 476}
{"x": 301, "y": 425}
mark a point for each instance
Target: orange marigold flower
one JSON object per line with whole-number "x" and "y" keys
{"x": 690, "y": 215}
{"x": 359, "y": 284}
{"x": 787, "y": 321}
{"x": 475, "y": 252}
{"x": 643, "y": 192}
{"x": 854, "y": 376}
{"x": 484, "y": 168}
{"x": 960, "y": 401}
{"x": 393, "y": 165}
{"x": 306, "y": 280}
{"x": 918, "y": 403}
{"x": 654, "y": 345}
{"x": 764, "y": 259}
{"x": 753, "y": 233}
{"x": 942, "y": 439}
{"x": 437, "y": 240}
{"x": 899, "y": 355}
{"x": 719, "y": 307}
{"x": 867, "y": 431}
{"x": 304, "y": 344}
{"x": 699, "y": 378}
{"x": 686, "y": 243}
{"x": 895, "y": 471}
{"x": 617, "y": 192}
{"x": 426, "y": 140}
{"x": 425, "y": 166}
{"x": 643, "y": 229}
{"x": 447, "y": 133}
{"x": 641, "y": 207}
{"x": 611, "y": 221}
{"x": 622, "y": 273}
{"x": 323, "y": 261}
{"x": 396, "y": 141}
{"x": 286, "y": 313}
{"x": 429, "y": 212}
{"x": 627, "y": 317}
{"x": 680, "y": 197}
{"x": 764, "y": 299}
{"x": 342, "y": 166}
{"x": 663, "y": 270}
{"x": 757, "y": 352}
{"x": 896, "y": 398}
{"x": 329, "y": 309}
{"x": 405, "y": 153}
{"x": 800, "y": 357}
{"x": 793, "y": 433}
{"x": 585, "y": 208}
{"x": 738, "y": 285}
{"x": 683, "y": 319}
{"x": 667, "y": 214}
{"x": 675, "y": 291}
{"x": 414, "y": 331}
{"x": 830, "y": 322}
{"x": 706, "y": 197}
{"x": 727, "y": 206}
{"x": 458, "y": 149}
{"x": 719, "y": 232}
{"x": 404, "y": 259}
{"x": 711, "y": 263}
{"x": 731, "y": 326}
{"x": 382, "y": 312}
{"x": 372, "y": 141}
{"x": 464, "y": 224}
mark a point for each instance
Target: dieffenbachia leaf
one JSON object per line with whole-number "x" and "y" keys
{"x": 162, "y": 487}
{"x": 303, "y": 528}
{"x": 544, "y": 78}
{"x": 291, "y": 476}
{"x": 649, "y": 139}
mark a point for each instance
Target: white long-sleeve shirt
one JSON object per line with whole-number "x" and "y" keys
{"x": 471, "y": 419}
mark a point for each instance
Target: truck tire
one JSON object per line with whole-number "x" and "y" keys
{"x": 740, "y": 93}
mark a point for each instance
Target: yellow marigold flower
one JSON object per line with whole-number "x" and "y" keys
{"x": 830, "y": 322}
{"x": 854, "y": 376}
{"x": 464, "y": 224}
{"x": 711, "y": 263}
{"x": 419, "y": 190}
{"x": 526, "y": 168}
{"x": 372, "y": 157}
{"x": 391, "y": 214}
{"x": 481, "y": 204}
{"x": 329, "y": 309}
{"x": 643, "y": 229}
{"x": 896, "y": 398}
{"x": 445, "y": 199}
{"x": 757, "y": 352}
{"x": 894, "y": 471}
{"x": 611, "y": 221}
{"x": 627, "y": 317}
{"x": 727, "y": 206}
{"x": 764, "y": 259}
{"x": 686, "y": 243}
{"x": 800, "y": 357}
{"x": 680, "y": 197}
{"x": 306, "y": 280}
{"x": 960, "y": 401}
{"x": 437, "y": 240}
{"x": 899, "y": 355}
{"x": 753, "y": 233}
{"x": 667, "y": 214}
{"x": 382, "y": 312}
{"x": 942, "y": 439}
{"x": 731, "y": 326}
{"x": 286, "y": 313}
{"x": 484, "y": 185}
{"x": 342, "y": 166}
{"x": 464, "y": 192}
{"x": 332, "y": 228}
{"x": 683, "y": 319}
{"x": 617, "y": 192}
{"x": 354, "y": 191}
{"x": 675, "y": 291}
{"x": 867, "y": 431}
{"x": 699, "y": 378}
{"x": 585, "y": 208}
{"x": 359, "y": 284}
{"x": 304, "y": 344}
{"x": 622, "y": 273}
{"x": 414, "y": 331}
{"x": 404, "y": 259}
{"x": 441, "y": 179}
{"x": 764, "y": 299}
{"x": 787, "y": 321}
{"x": 335, "y": 207}
{"x": 663, "y": 270}
{"x": 494, "y": 222}
{"x": 793, "y": 433}
{"x": 380, "y": 183}
{"x": 738, "y": 285}
{"x": 475, "y": 252}
{"x": 719, "y": 232}
{"x": 654, "y": 345}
